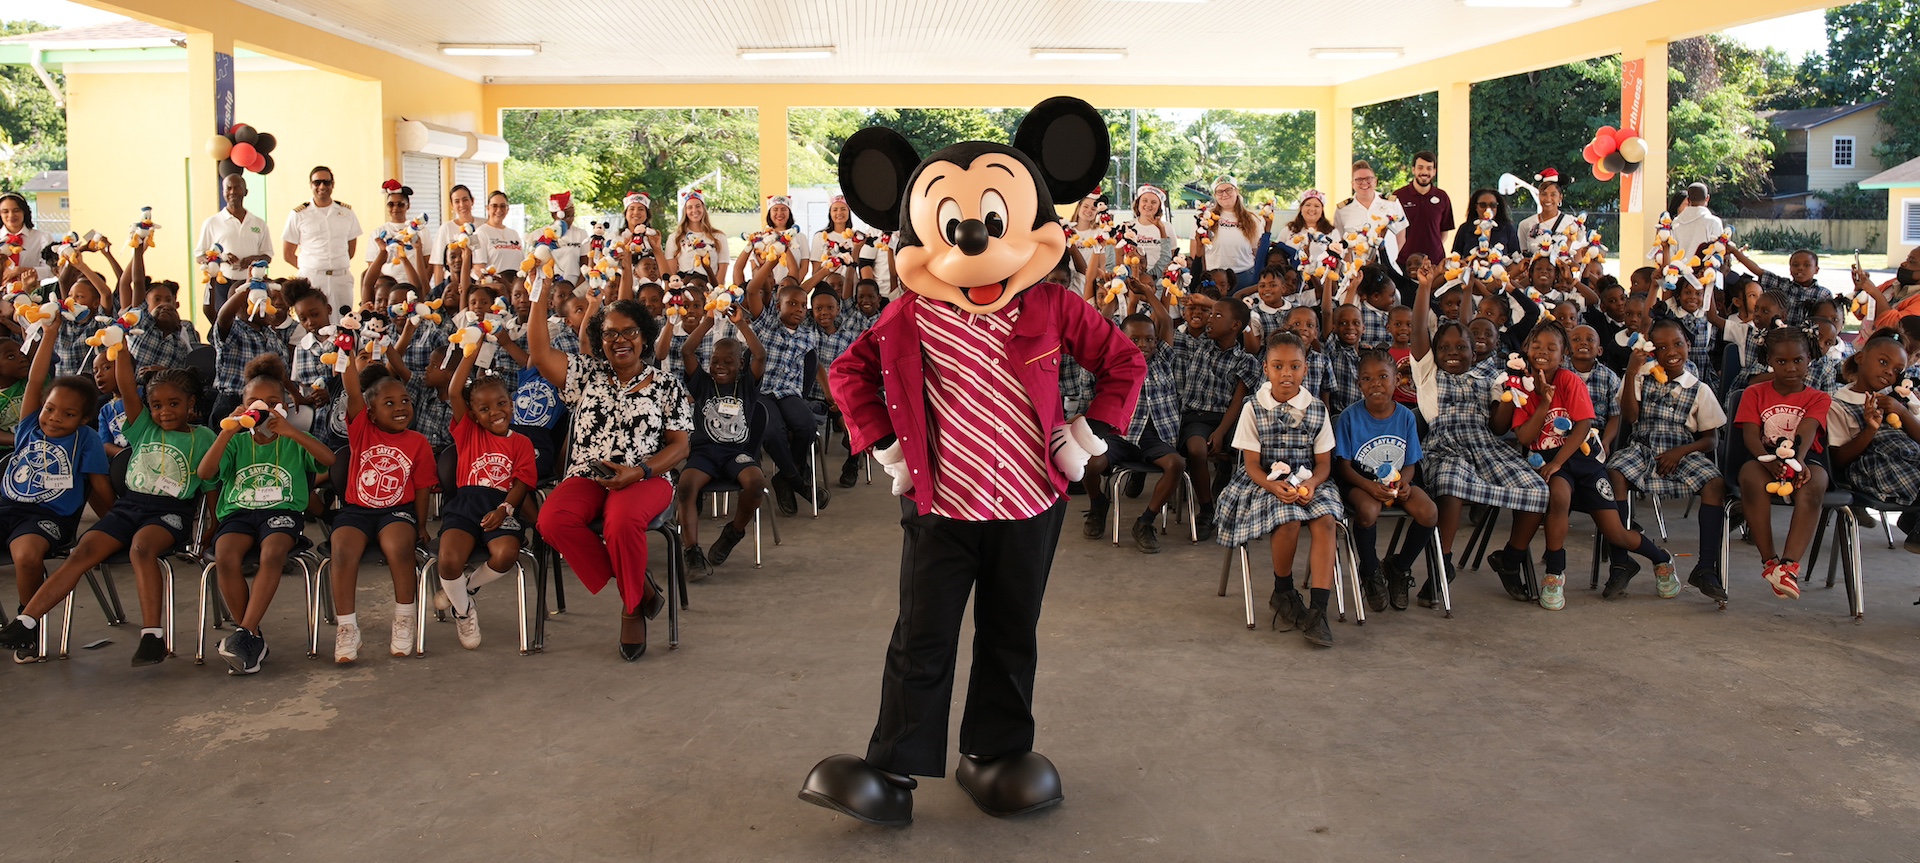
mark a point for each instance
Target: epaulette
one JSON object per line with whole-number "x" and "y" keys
{"x": 303, "y": 205}
{"x": 1343, "y": 203}
{"x": 343, "y": 204}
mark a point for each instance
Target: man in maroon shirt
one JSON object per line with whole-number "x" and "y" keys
{"x": 1429, "y": 212}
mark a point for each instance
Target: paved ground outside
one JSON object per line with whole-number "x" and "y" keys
{"x": 1638, "y": 728}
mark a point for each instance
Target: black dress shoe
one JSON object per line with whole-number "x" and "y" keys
{"x": 1506, "y": 563}
{"x": 632, "y": 652}
{"x": 1010, "y": 784}
{"x": 848, "y": 785}
{"x": 655, "y": 601}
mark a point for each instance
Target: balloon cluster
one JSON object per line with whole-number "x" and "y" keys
{"x": 1615, "y": 151}
{"x": 243, "y": 148}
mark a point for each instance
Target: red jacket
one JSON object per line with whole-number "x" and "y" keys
{"x": 1052, "y": 321}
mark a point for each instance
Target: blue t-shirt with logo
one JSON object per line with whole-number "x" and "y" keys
{"x": 49, "y": 472}
{"x": 113, "y": 422}
{"x": 1372, "y": 443}
{"x": 536, "y": 404}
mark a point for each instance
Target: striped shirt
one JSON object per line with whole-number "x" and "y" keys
{"x": 988, "y": 448}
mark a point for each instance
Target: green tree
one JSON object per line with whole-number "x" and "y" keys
{"x": 1873, "y": 52}
{"x": 929, "y": 129}
{"x": 1523, "y": 124}
{"x": 601, "y": 154}
{"x": 1387, "y": 134}
{"x": 1166, "y": 157}
{"x": 814, "y": 138}
{"x": 1714, "y": 133}
{"x": 33, "y": 128}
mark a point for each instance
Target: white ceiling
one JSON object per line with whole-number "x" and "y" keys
{"x": 1263, "y": 42}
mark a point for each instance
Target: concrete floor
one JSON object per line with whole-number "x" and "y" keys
{"x": 1640, "y": 728}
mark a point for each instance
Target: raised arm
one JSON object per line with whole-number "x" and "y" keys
{"x": 129, "y": 387}
{"x": 455, "y": 398}
{"x": 350, "y": 381}
{"x": 752, "y": 341}
{"x": 551, "y": 363}
{"x": 42, "y": 367}
{"x": 135, "y": 278}
{"x": 689, "y": 349}
{"x": 1430, "y": 279}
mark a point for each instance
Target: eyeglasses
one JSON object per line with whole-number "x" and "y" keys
{"x": 630, "y": 334}
{"x": 392, "y": 205}
{"x": 1362, "y": 180}
{"x": 321, "y": 182}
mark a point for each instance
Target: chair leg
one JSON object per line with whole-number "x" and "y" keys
{"x": 1350, "y": 561}
{"x": 813, "y": 478}
{"x": 1226, "y": 571}
{"x": 867, "y": 457}
{"x": 520, "y": 601}
{"x": 206, "y": 585}
{"x": 107, "y": 606}
{"x": 756, "y": 539}
{"x": 1659, "y": 518}
{"x": 1813, "y": 552}
{"x": 559, "y": 585}
{"x": 1192, "y": 506}
{"x": 422, "y": 600}
{"x": 540, "y": 602}
{"x": 1726, "y": 549}
{"x": 166, "y": 599}
{"x": 1856, "y": 577}
{"x": 1438, "y": 571}
{"x": 1887, "y": 523}
{"x": 773, "y": 518}
{"x": 113, "y": 596}
{"x": 1484, "y": 533}
{"x": 66, "y": 628}
{"x": 316, "y": 585}
{"x": 1246, "y": 583}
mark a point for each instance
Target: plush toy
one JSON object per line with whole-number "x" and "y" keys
{"x": 721, "y": 300}
{"x": 113, "y": 336}
{"x": 463, "y": 237}
{"x": 210, "y": 270}
{"x": 340, "y": 336}
{"x": 1783, "y": 450}
{"x": 33, "y": 318}
{"x": 255, "y": 416}
{"x": 1519, "y": 382}
{"x": 67, "y": 251}
{"x": 1662, "y": 236}
{"x": 1282, "y": 472}
{"x": 417, "y": 309}
{"x": 1002, "y": 270}
{"x": 1117, "y": 285}
{"x": 597, "y": 240}
{"x": 1902, "y": 391}
{"x": 1175, "y": 279}
{"x": 470, "y": 337}
{"x": 1204, "y": 221}
{"x": 540, "y": 255}
{"x": 1387, "y": 476}
{"x": 143, "y": 229}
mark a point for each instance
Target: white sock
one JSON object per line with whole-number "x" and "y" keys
{"x": 155, "y": 631}
{"x": 403, "y": 611}
{"x": 28, "y": 621}
{"x": 457, "y": 596}
{"x": 349, "y": 619}
{"x": 486, "y": 574}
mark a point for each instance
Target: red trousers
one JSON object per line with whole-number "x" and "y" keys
{"x": 621, "y": 554}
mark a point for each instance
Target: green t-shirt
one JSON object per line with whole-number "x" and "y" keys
{"x": 269, "y": 476}
{"x": 10, "y": 403}
{"x": 166, "y": 463}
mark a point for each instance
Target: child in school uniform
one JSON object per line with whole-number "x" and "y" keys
{"x": 1400, "y": 350}
{"x": 730, "y": 419}
{"x": 1304, "y": 321}
{"x": 1553, "y": 423}
{"x": 494, "y": 473}
{"x": 1670, "y": 454}
{"x": 1286, "y": 430}
{"x": 790, "y": 423}
{"x": 265, "y": 476}
{"x": 154, "y": 518}
{"x": 240, "y": 338}
{"x": 389, "y": 469}
{"x": 1377, "y": 296}
{"x": 72, "y": 354}
{"x": 1268, "y": 302}
{"x": 111, "y": 420}
{"x": 1783, "y": 412}
{"x": 1343, "y": 359}
{"x": 58, "y": 464}
{"x": 313, "y": 375}
{"x": 1603, "y": 383}
{"x": 830, "y": 341}
{"x": 1141, "y": 442}
{"x": 1881, "y": 458}
{"x": 1377, "y": 454}
{"x": 1464, "y": 461}
{"x": 1215, "y": 375}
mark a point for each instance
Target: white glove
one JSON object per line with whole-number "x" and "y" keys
{"x": 893, "y": 460}
{"x": 1072, "y": 445}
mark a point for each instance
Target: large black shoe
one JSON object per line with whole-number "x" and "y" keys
{"x": 1096, "y": 525}
{"x": 1010, "y": 784}
{"x": 722, "y": 549}
{"x": 850, "y": 472}
{"x": 152, "y": 650}
{"x": 16, "y": 635}
{"x": 656, "y": 599}
{"x": 1706, "y": 579}
{"x": 1287, "y": 607}
{"x": 1506, "y": 564}
{"x": 804, "y": 493}
{"x": 1619, "y": 573}
{"x": 1203, "y": 525}
{"x": 1146, "y": 536}
{"x": 850, "y": 786}
{"x": 1315, "y": 628}
{"x": 1136, "y": 483}
{"x": 784, "y": 496}
{"x": 696, "y": 562}
{"x": 1399, "y": 581}
{"x": 1374, "y": 585}
{"x": 1429, "y": 595}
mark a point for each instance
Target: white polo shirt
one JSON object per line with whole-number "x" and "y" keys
{"x": 242, "y": 238}
{"x": 33, "y": 242}
{"x": 320, "y": 235}
{"x": 1351, "y": 216}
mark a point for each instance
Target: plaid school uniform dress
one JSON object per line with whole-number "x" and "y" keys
{"x": 244, "y": 341}
{"x": 1374, "y": 332}
{"x": 1265, "y": 323}
{"x": 1464, "y": 459}
{"x": 1800, "y": 298}
{"x": 1603, "y": 386}
{"x": 432, "y": 416}
{"x": 827, "y": 348}
{"x": 1699, "y": 343}
{"x": 308, "y": 371}
{"x": 1319, "y": 369}
{"x": 71, "y": 353}
{"x": 1341, "y": 386}
{"x": 155, "y": 348}
{"x": 1664, "y": 412}
{"x": 1207, "y": 375}
{"x": 1889, "y": 469}
{"x": 1159, "y": 401}
{"x": 1246, "y": 511}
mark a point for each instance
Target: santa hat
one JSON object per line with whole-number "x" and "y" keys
{"x": 392, "y": 187}
{"x": 637, "y": 198}
{"x": 1156, "y": 191}
{"x": 558, "y": 202}
{"x": 1551, "y": 175}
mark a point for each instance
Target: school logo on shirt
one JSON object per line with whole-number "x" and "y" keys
{"x": 492, "y": 470}
{"x": 1382, "y": 450}
{"x": 261, "y": 485}
{"x": 725, "y": 418}
{"x": 1550, "y": 436}
{"x": 536, "y": 404}
{"x": 154, "y": 462}
{"x": 33, "y": 467}
{"x": 1780, "y": 422}
{"x": 384, "y": 471}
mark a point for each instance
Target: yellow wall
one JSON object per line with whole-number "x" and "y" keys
{"x": 1867, "y": 133}
{"x": 46, "y": 205}
{"x": 1896, "y": 223}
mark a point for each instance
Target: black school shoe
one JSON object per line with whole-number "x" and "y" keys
{"x": 784, "y": 496}
{"x": 17, "y": 636}
{"x": 1374, "y": 585}
{"x": 730, "y": 536}
{"x": 1506, "y": 564}
{"x": 1316, "y": 630}
{"x": 696, "y": 561}
{"x": 1136, "y": 483}
{"x": 850, "y": 472}
{"x": 1399, "y": 581}
{"x": 1706, "y": 579}
{"x": 1618, "y": 574}
{"x": 1096, "y": 525}
{"x": 1146, "y": 536}
{"x": 1287, "y": 607}
{"x": 152, "y": 650}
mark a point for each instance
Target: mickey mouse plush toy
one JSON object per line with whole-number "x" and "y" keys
{"x": 957, "y": 388}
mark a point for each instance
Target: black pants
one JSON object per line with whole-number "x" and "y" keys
{"x": 789, "y": 435}
{"x": 1005, "y": 564}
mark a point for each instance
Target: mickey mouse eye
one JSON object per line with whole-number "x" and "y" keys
{"x": 949, "y": 220}
{"x": 993, "y": 211}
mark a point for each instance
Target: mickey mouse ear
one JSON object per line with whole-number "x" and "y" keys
{"x": 875, "y": 165}
{"x": 1067, "y": 140}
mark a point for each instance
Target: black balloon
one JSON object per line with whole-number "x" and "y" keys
{"x": 263, "y": 142}
{"x": 266, "y": 166}
{"x": 244, "y": 134}
{"x": 227, "y": 168}
{"x": 1630, "y": 167}
{"x": 1614, "y": 163}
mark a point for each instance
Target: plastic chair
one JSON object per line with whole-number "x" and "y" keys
{"x": 117, "y": 477}
{"x": 447, "y": 464}
{"x": 1836, "y": 502}
{"x": 730, "y": 489}
{"x": 372, "y": 556}
{"x": 1341, "y": 573}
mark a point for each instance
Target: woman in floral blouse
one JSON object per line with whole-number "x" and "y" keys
{"x": 630, "y": 425}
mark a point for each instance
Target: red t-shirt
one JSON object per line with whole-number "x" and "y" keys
{"x": 385, "y": 469}
{"x": 1403, "y": 389}
{"x": 1428, "y": 217}
{"x": 1570, "y": 402}
{"x": 1779, "y": 416}
{"x": 490, "y": 460}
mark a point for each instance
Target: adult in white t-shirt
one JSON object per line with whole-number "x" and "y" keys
{"x": 1550, "y": 219}
{"x": 839, "y": 236}
{"x": 1357, "y": 212}
{"x": 684, "y": 248}
{"x": 1158, "y": 244}
{"x": 779, "y": 217}
{"x": 570, "y": 247}
{"x": 450, "y": 230}
{"x": 498, "y": 245}
{"x": 17, "y": 218}
{"x": 241, "y": 235}
{"x": 399, "y": 200}
{"x": 1236, "y": 233}
{"x": 637, "y": 220}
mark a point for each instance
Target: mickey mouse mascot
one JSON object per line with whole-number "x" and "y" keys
{"x": 957, "y": 388}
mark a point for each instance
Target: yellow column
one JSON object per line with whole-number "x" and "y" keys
{"x": 1333, "y": 150}
{"x": 773, "y": 150}
{"x": 1456, "y": 138}
{"x": 203, "y": 190}
{"x": 1653, "y": 127}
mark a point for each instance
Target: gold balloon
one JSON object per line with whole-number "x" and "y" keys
{"x": 219, "y": 146}
{"x": 1634, "y": 149}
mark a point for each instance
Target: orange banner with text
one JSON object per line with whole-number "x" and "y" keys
{"x": 1632, "y": 102}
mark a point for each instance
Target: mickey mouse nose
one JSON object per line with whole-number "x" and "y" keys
{"x": 971, "y": 237}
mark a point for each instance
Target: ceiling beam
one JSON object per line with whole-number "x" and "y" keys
{"x": 510, "y": 96}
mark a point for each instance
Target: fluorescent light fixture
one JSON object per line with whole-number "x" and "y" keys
{"x": 820, "y": 53}
{"x": 1519, "y": 4}
{"x": 1354, "y": 53}
{"x": 1079, "y": 53}
{"x": 473, "y": 49}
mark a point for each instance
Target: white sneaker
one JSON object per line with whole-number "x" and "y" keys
{"x": 468, "y": 627}
{"x": 1553, "y": 595}
{"x": 346, "y": 643}
{"x": 402, "y": 645}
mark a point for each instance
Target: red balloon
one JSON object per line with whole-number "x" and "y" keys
{"x": 1601, "y": 174}
{"x": 1588, "y": 154}
{"x": 259, "y": 162}
{"x": 1603, "y": 146}
{"x": 243, "y": 154}
{"x": 1622, "y": 135}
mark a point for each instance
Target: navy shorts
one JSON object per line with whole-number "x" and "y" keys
{"x": 262, "y": 523}
{"x": 1150, "y": 449}
{"x": 136, "y": 511}
{"x": 29, "y": 519}
{"x": 469, "y": 504}
{"x": 1592, "y": 490}
{"x": 721, "y": 462}
{"x": 371, "y": 521}
{"x": 1200, "y": 424}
